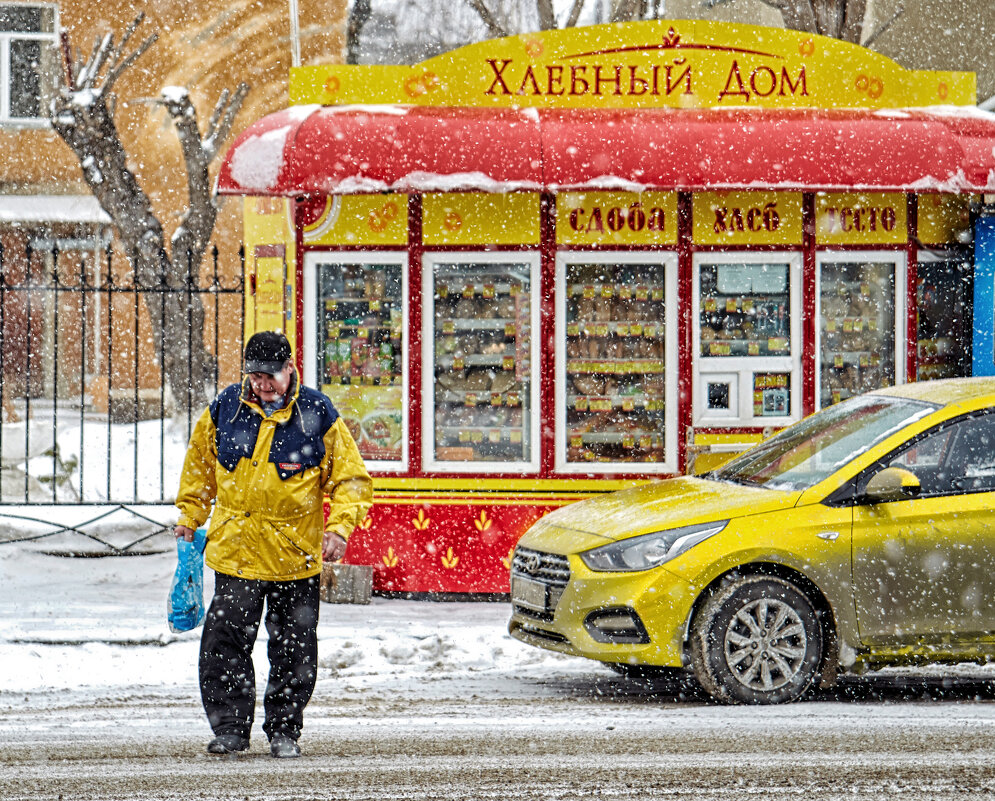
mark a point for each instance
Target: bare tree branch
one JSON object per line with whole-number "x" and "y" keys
{"x": 575, "y": 11}
{"x": 625, "y": 10}
{"x": 116, "y": 71}
{"x": 839, "y": 19}
{"x": 494, "y": 27}
{"x": 359, "y": 15}
{"x": 881, "y": 30}
{"x": 547, "y": 16}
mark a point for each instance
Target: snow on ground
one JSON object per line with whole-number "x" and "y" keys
{"x": 98, "y": 626}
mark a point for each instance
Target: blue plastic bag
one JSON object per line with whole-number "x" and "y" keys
{"x": 185, "y": 605}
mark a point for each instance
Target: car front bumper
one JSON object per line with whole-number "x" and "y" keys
{"x": 634, "y": 618}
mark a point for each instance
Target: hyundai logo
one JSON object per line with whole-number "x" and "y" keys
{"x": 532, "y": 563}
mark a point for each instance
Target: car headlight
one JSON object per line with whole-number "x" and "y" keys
{"x": 649, "y": 550}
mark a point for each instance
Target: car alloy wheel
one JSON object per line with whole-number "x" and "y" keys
{"x": 765, "y": 644}
{"x": 757, "y": 640}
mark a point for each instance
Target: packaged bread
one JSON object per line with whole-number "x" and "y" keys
{"x": 505, "y": 308}
{"x": 466, "y": 309}
{"x": 503, "y": 381}
{"x": 487, "y": 309}
{"x": 621, "y": 308}
{"x": 477, "y": 381}
{"x": 589, "y": 384}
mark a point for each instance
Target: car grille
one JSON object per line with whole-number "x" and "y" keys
{"x": 550, "y": 569}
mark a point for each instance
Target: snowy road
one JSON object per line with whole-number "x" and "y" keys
{"x": 419, "y": 700}
{"x": 566, "y": 737}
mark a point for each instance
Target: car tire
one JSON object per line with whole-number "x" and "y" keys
{"x": 756, "y": 640}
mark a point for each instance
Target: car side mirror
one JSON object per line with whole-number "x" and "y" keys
{"x": 892, "y": 484}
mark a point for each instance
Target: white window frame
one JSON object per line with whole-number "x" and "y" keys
{"x": 310, "y": 345}
{"x": 669, "y": 261}
{"x": 744, "y": 367}
{"x": 6, "y": 37}
{"x": 429, "y": 260}
{"x": 898, "y": 258}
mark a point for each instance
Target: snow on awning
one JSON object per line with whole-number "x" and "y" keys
{"x": 52, "y": 208}
{"x": 365, "y": 149}
{"x": 369, "y": 149}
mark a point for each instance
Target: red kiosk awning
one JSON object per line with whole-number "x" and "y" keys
{"x": 307, "y": 150}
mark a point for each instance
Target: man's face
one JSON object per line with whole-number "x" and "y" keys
{"x": 271, "y": 388}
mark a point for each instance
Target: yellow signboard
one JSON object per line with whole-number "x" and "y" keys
{"x": 616, "y": 218}
{"x": 944, "y": 219}
{"x": 860, "y": 218}
{"x": 360, "y": 220}
{"x": 747, "y": 218}
{"x": 655, "y": 63}
{"x": 480, "y": 219}
{"x": 270, "y": 255}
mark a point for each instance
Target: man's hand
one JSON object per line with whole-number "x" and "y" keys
{"x": 183, "y": 531}
{"x": 332, "y": 547}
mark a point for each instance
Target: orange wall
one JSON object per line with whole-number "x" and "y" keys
{"x": 205, "y": 46}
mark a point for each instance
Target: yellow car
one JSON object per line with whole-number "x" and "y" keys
{"x": 862, "y": 536}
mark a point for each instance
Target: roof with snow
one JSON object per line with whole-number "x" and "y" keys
{"x": 336, "y": 150}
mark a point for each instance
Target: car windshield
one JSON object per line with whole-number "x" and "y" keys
{"x": 803, "y": 454}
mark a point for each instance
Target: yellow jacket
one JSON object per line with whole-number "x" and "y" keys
{"x": 268, "y": 475}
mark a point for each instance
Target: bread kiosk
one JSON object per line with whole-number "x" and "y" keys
{"x": 557, "y": 264}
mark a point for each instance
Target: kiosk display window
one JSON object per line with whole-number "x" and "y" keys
{"x": 745, "y": 310}
{"x": 746, "y": 338}
{"x": 359, "y": 360}
{"x": 858, "y": 331}
{"x": 616, "y": 337}
{"x": 480, "y": 362}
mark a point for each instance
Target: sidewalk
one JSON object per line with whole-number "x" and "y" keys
{"x": 98, "y": 626}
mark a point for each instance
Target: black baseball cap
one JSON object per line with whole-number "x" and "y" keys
{"x": 266, "y": 352}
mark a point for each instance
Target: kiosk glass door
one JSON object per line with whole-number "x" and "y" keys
{"x": 358, "y": 358}
{"x": 616, "y": 362}
{"x": 861, "y": 317}
{"x": 481, "y": 324}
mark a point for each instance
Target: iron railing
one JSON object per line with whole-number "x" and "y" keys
{"x": 86, "y": 415}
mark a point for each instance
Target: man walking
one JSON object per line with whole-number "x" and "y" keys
{"x": 267, "y": 451}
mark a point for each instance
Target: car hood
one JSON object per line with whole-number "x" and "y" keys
{"x": 656, "y": 506}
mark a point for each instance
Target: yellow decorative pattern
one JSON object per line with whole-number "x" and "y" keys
{"x": 483, "y": 522}
{"x": 450, "y": 560}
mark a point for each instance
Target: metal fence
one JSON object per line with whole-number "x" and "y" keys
{"x": 87, "y": 418}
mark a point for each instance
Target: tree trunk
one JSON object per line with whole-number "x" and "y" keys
{"x": 83, "y": 115}
{"x": 359, "y": 15}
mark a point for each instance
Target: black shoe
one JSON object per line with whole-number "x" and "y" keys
{"x": 284, "y": 747}
{"x": 228, "y": 744}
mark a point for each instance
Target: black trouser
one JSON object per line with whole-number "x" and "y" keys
{"x": 227, "y": 677}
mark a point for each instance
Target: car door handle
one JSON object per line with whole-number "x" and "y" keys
{"x": 828, "y": 535}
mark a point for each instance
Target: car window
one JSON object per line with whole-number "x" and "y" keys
{"x": 958, "y": 457}
{"x": 804, "y": 454}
